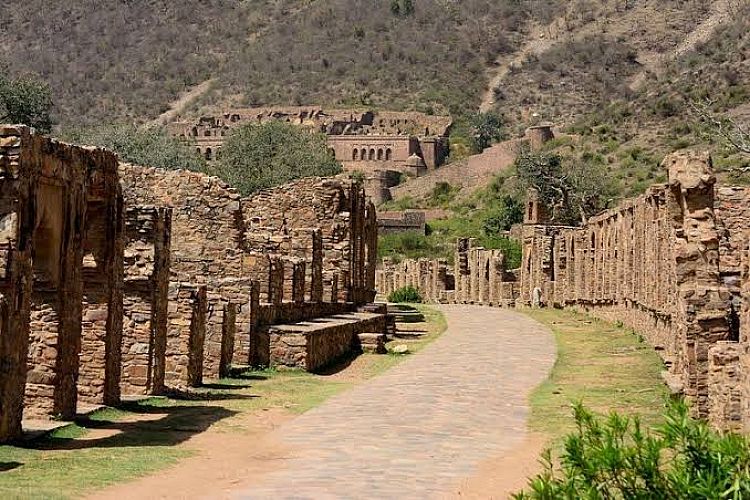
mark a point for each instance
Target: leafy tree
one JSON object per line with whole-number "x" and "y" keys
{"x": 471, "y": 134}
{"x": 153, "y": 146}
{"x": 256, "y": 157}
{"x": 25, "y": 100}
{"x": 508, "y": 212}
{"x": 487, "y": 128}
{"x": 616, "y": 458}
{"x": 572, "y": 190}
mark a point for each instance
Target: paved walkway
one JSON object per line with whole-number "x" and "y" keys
{"x": 416, "y": 430}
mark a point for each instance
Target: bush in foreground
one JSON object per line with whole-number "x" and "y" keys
{"x": 616, "y": 458}
{"x": 407, "y": 294}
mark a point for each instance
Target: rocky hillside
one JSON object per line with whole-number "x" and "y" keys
{"x": 615, "y": 74}
{"x": 132, "y": 59}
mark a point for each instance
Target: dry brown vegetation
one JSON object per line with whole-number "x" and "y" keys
{"x": 596, "y": 76}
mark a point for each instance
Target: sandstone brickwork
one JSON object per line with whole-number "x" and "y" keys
{"x": 671, "y": 264}
{"x": 62, "y": 241}
{"x": 174, "y": 282}
{"x": 147, "y": 263}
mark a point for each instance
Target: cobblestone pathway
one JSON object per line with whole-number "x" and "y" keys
{"x": 416, "y": 430}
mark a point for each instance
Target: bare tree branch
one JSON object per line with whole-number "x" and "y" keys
{"x": 733, "y": 133}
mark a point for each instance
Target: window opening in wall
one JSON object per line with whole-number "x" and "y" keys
{"x": 355, "y": 155}
{"x": 388, "y": 154}
{"x": 372, "y": 154}
{"x": 208, "y": 153}
{"x": 380, "y": 154}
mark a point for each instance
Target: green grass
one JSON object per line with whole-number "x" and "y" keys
{"x": 607, "y": 367}
{"x": 143, "y": 437}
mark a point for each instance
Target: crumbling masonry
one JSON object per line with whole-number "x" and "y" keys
{"x": 125, "y": 279}
{"x": 671, "y": 264}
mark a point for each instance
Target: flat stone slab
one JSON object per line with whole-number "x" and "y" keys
{"x": 427, "y": 423}
{"x": 323, "y": 323}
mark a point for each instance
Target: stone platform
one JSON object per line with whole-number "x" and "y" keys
{"x": 312, "y": 345}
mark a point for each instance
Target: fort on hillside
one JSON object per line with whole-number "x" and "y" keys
{"x": 361, "y": 140}
{"x": 671, "y": 264}
{"x": 382, "y": 145}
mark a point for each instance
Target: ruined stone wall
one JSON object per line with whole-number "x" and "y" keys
{"x": 430, "y": 277}
{"x": 62, "y": 205}
{"x": 481, "y": 276}
{"x": 653, "y": 264}
{"x": 147, "y": 252}
{"x": 345, "y": 218}
{"x": 207, "y": 246}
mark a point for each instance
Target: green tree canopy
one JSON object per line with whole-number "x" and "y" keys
{"x": 25, "y": 100}
{"x": 487, "y": 128}
{"x": 256, "y": 157}
{"x": 152, "y": 147}
{"x": 571, "y": 190}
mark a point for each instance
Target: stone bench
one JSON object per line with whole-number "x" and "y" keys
{"x": 312, "y": 345}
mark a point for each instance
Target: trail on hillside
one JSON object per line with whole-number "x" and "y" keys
{"x": 722, "y": 11}
{"x": 177, "y": 106}
{"x": 537, "y": 44}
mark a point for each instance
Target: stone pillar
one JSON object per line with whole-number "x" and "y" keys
{"x": 186, "y": 335}
{"x": 227, "y": 339}
{"x": 316, "y": 281}
{"x": 335, "y": 287}
{"x": 14, "y": 342}
{"x": 702, "y": 300}
{"x": 275, "y": 281}
{"x": 146, "y": 297}
{"x": 298, "y": 282}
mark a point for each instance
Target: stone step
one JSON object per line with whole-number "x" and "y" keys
{"x": 373, "y": 343}
{"x": 408, "y": 317}
{"x": 409, "y": 334}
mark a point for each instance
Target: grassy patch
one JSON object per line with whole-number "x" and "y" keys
{"x": 606, "y": 367}
{"x": 117, "y": 445}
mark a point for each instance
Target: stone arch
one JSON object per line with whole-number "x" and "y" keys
{"x": 208, "y": 154}
{"x": 380, "y": 154}
{"x": 371, "y": 156}
{"x": 388, "y": 154}
{"x": 363, "y": 154}
{"x": 355, "y": 154}
{"x": 194, "y": 131}
{"x": 198, "y": 150}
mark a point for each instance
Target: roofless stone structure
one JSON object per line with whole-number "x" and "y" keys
{"x": 121, "y": 279}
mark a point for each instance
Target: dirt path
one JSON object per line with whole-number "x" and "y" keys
{"x": 654, "y": 63}
{"x": 503, "y": 65}
{"x": 448, "y": 422}
{"x": 177, "y": 106}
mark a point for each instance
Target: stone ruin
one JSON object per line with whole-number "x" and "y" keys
{"x": 126, "y": 280}
{"x": 671, "y": 264}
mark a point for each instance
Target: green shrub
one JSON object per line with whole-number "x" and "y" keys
{"x": 407, "y": 294}
{"x": 256, "y": 157}
{"x": 616, "y": 458}
{"x": 149, "y": 146}
{"x": 25, "y": 100}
